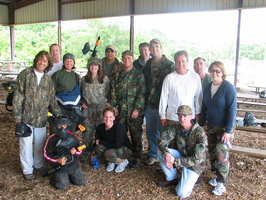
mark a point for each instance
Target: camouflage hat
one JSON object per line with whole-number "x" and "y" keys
{"x": 184, "y": 110}
{"x": 112, "y": 47}
{"x": 68, "y": 56}
{"x": 155, "y": 41}
{"x": 127, "y": 52}
{"x": 93, "y": 60}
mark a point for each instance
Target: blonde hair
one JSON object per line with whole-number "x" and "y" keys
{"x": 220, "y": 65}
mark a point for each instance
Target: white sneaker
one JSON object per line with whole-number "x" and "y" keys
{"x": 219, "y": 189}
{"x": 110, "y": 167}
{"x": 121, "y": 166}
{"x": 213, "y": 181}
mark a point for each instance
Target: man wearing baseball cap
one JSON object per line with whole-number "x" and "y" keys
{"x": 128, "y": 95}
{"x": 110, "y": 63}
{"x": 189, "y": 156}
{"x": 155, "y": 71}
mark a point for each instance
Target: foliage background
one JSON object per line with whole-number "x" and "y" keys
{"x": 214, "y": 39}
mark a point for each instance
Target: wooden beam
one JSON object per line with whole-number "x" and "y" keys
{"x": 249, "y": 151}
{"x": 251, "y": 129}
{"x": 75, "y": 1}
{"x": 21, "y": 4}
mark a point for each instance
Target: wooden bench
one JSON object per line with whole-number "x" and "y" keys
{"x": 250, "y": 110}
{"x": 249, "y": 151}
{"x": 239, "y": 102}
{"x": 251, "y": 129}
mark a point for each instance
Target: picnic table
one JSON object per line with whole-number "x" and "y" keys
{"x": 257, "y": 88}
{"x": 9, "y": 69}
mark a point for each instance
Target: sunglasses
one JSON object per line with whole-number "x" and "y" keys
{"x": 215, "y": 70}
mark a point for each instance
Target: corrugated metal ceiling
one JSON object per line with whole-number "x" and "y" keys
{"x": 28, "y": 11}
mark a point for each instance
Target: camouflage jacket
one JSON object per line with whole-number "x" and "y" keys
{"x": 95, "y": 93}
{"x": 192, "y": 146}
{"x": 31, "y": 102}
{"x": 154, "y": 76}
{"x": 117, "y": 67}
{"x": 128, "y": 92}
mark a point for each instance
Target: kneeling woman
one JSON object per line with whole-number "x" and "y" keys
{"x": 112, "y": 141}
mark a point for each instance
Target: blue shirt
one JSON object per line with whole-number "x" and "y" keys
{"x": 221, "y": 109}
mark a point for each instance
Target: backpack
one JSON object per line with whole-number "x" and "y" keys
{"x": 249, "y": 119}
{"x": 263, "y": 94}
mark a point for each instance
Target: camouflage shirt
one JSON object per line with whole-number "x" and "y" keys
{"x": 95, "y": 93}
{"x": 128, "y": 92}
{"x": 154, "y": 76}
{"x": 191, "y": 145}
{"x": 31, "y": 101}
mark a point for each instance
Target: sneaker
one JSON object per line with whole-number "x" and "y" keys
{"x": 135, "y": 164}
{"x": 219, "y": 189}
{"x": 121, "y": 166}
{"x": 110, "y": 167}
{"x": 151, "y": 161}
{"x": 213, "y": 181}
{"x": 29, "y": 176}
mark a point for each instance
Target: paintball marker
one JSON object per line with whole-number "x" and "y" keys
{"x": 47, "y": 173}
{"x": 82, "y": 128}
{"x": 87, "y": 48}
{"x": 9, "y": 86}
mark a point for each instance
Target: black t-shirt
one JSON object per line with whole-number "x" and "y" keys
{"x": 114, "y": 138}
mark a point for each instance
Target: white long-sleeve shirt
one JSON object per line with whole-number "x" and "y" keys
{"x": 180, "y": 90}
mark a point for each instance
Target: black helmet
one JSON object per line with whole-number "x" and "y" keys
{"x": 22, "y": 130}
{"x": 63, "y": 120}
{"x": 62, "y": 133}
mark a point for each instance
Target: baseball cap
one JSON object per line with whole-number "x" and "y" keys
{"x": 93, "y": 60}
{"x": 68, "y": 56}
{"x": 184, "y": 110}
{"x": 112, "y": 47}
{"x": 155, "y": 41}
{"x": 127, "y": 52}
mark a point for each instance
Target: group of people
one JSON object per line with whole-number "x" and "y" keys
{"x": 186, "y": 114}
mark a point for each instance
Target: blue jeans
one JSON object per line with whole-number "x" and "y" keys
{"x": 153, "y": 130}
{"x": 188, "y": 177}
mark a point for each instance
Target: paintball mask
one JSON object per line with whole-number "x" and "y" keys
{"x": 62, "y": 132}
{"x": 22, "y": 130}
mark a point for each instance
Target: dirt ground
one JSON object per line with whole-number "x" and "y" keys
{"x": 247, "y": 179}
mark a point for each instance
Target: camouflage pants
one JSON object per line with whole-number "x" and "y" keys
{"x": 64, "y": 177}
{"x": 111, "y": 155}
{"x": 92, "y": 120}
{"x": 134, "y": 126}
{"x": 219, "y": 155}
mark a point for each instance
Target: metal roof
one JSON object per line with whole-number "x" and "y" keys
{"x": 15, "y": 12}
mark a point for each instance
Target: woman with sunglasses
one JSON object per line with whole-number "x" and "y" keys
{"x": 218, "y": 116}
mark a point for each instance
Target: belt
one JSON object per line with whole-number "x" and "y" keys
{"x": 102, "y": 106}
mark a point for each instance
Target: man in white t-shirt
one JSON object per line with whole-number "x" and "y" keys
{"x": 55, "y": 52}
{"x": 181, "y": 87}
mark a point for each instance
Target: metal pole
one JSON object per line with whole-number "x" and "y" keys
{"x": 132, "y": 26}
{"x": 12, "y": 42}
{"x": 237, "y": 47}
